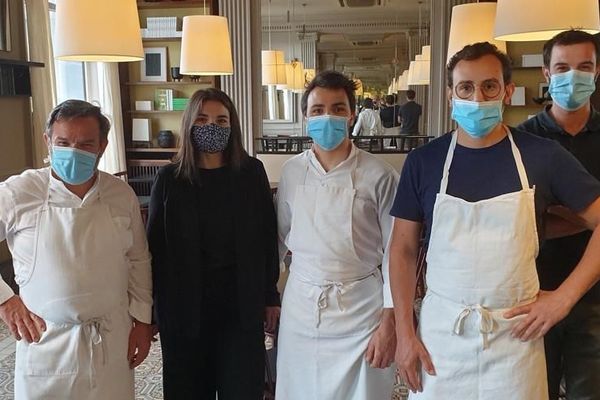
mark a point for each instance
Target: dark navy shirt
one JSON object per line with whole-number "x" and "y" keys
{"x": 410, "y": 113}
{"x": 477, "y": 174}
{"x": 389, "y": 116}
{"x": 558, "y": 257}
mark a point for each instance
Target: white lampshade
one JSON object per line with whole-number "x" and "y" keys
{"x": 472, "y": 23}
{"x": 423, "y": 66}
{"x": 410, "y": 74}
{"x": 92, "y": 30}
{"x": 294, "y": 73}
{"x": 518, "y": 20}
{"x": 273, "y": 68}
{"x": 403, "y": 81}
{"x": 205, "y": 46}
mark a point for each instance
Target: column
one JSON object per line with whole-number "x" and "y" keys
{"x": 244, "y": 86}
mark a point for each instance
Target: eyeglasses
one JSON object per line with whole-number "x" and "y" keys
{"x": 489, "y": 88}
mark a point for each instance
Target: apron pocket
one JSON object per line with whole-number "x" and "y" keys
{"x": 57, "y": 352}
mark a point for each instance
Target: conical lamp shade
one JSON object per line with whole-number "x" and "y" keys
{"x": 295, "y": 76}
{"x": 472, "y": 23}
{"x": 273, "y": 68}
{"x": 98, "y": 30}
{"x": 519, "y": 20}
{"x": 205, "y": 46}
{"x": 359, "y": 87}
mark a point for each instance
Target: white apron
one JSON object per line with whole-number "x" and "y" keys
{"x": 481, "y": 262}
{"x": 78, "y": 285}
{"x": 330, "y": 310}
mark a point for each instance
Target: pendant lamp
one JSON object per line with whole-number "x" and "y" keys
{"x": 422, "y": 67}
{"x": 295, "y": 76}
{"x": 519, "y": 20}
{"x": 472, "y": 23}
{"x": 273, "y": 63}
{"x": 205, "y": 46}
{"x": 92, "y": 30}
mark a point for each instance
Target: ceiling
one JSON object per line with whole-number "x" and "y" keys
{"x": 363, "y": 36}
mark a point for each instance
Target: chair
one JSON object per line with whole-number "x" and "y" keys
{"x": 141, "y": 173}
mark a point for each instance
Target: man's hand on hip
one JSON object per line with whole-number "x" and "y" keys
{"x": 21, "y": 322}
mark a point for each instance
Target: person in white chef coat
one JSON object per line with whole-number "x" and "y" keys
{"x": 336, "y": 339}
{"x": 479, "y": 194}
{"x": 82, "y": 265}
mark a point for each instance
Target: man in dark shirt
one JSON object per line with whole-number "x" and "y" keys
{"x": 573, "y": 345}
{"x": 410, "y": 113}
{"x": 390, "y": 115}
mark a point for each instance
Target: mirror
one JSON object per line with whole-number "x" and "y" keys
{"x": 4, "y": 26}
{"x": 279, "y": 105}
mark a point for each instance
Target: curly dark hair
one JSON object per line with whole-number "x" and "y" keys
{"x": 475, "y": 51}
{"x": 330, "y": 80}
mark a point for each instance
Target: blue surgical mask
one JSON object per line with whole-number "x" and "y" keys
{"x": 477, "y": 118}
{"x": 327, "y": 131}
{"x": 572, "y": 89}
{"x": 72, "y": 165}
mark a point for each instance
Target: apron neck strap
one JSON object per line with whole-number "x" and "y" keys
{"x": 515, "y": 151}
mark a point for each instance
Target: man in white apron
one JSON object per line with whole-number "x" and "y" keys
{"x": 82, "y": 265}
{"x": 478, "y": 192}
{"x": 336, "y": 339}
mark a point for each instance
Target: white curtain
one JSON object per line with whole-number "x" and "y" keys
{"x": 102, "y": 88}
{"x": 43, "y": 86}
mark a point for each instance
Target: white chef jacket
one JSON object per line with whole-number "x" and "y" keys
{"x": 368, "y": 123}
{"x": 21, "y": 199}
{"x": 375, "y": 182}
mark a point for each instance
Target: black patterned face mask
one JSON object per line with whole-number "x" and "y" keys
{"x": 210, "y": 138}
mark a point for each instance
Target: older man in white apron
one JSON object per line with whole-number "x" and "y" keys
{"x": 336, "y": 339}
{"x": 476, "y": 191}
{"x": 82, "y": 265}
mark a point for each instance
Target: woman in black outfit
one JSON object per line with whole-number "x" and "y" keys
{"x": 213, "y": 237}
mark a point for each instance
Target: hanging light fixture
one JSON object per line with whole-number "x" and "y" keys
{"x": 273, "y": 63}
{"x": 205, "y": 45}
{"x": 422, "y": 66}
{"x": 295, "y": 75}
{"x": 359, "y": 91}
{"x": 472, "y": 23}
{"x": 309, "y": 74}
{"x": 403, "y": 81}
{"x": 93, "y": 31}
{"x": 519, "y": 21}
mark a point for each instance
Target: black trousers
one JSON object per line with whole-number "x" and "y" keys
{"x": 223, "y": 358}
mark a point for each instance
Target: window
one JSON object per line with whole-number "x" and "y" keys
{"x": 70, "y": 75}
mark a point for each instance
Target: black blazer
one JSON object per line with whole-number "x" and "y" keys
{"x": 173, "y": 234}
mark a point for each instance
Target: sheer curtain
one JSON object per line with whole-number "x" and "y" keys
{"x": 43, "y": 86}
{"x": 102, "y": 88}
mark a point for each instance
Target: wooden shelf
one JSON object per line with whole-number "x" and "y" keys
{"x": 152, "y": 149}
{"x": 155, "y": 111}
{"x": 172, "y": 4}
{"x": 170, "y": 83}
{"x": 7, "y": 61}
{"x": 163, "y": 39}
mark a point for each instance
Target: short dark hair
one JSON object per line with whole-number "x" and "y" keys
{"x": 368, "y": 103}
{"x": 71, "y": 109}
{"x": 390, "y": 99}
{"x": 411, "y": 94}
{"x": 566, "y": 38}
{"x": 475, "y": 51}
{"x": 330, "y": 80}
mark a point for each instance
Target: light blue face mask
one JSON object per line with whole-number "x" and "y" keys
{"x": 73, "y": 166}
{"x": 327, "y": 131}
{"x": 477, "y": 118}
{"x": 572, "y": 89}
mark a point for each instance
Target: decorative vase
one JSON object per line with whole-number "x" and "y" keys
{"x": 175, "y": 74}
{"x": 166, "y": 139}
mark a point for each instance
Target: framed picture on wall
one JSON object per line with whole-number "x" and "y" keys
{"x": 154, "y": 64}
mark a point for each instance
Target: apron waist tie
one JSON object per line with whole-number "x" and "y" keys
{"x": 486, "y": 322}
{"x": 322, "y": 302}
{"x": 94, "y": 329}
